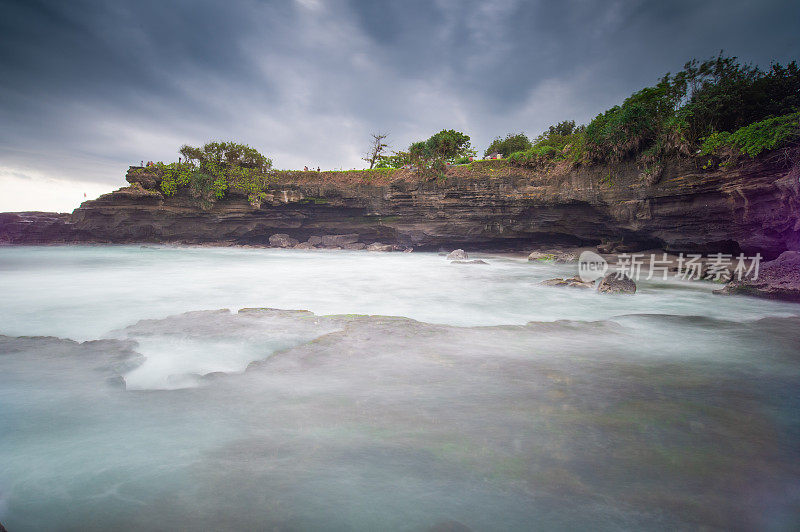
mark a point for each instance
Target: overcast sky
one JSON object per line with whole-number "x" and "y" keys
{"x": 88, "y": 88}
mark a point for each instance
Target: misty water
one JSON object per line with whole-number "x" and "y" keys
{"x": 159, "y": 388}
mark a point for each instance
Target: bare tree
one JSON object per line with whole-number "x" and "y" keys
{"x": 376, "y": 149}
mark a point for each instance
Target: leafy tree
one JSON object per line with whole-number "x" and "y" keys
{"x": 431, "y": 156}
{"x": 508, "y": 144}
{"x": 396, "y": 160}
{"x": 562, "y": 129}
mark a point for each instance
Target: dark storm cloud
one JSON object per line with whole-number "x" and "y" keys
{"x": 88, "y": 87}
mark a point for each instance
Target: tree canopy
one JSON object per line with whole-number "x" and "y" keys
{"x": 508, "y": 144}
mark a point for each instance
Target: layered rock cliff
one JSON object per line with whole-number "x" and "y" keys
{"x": 751, "y": 207}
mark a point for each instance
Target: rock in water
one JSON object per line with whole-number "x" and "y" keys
{"x": 457, "y": 254}
{"x": 777, "y": 279}
{"x": 572, "y": 282}
{"x": 339, "y": 240}
{"x": 616, "y": 283}
{"x": 553, "y": 256}
{"x": 282, "y": 240}
{"x": 377, "y": 246}
{"x": 473, "y": 261}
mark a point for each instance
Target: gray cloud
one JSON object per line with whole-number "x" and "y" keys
{"x": 89, "y": 87}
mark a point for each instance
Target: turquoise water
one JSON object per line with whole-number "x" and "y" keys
{"x": 485, "y": 400}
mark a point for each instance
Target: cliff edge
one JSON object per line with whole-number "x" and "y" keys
{"x": 751, "y": 207}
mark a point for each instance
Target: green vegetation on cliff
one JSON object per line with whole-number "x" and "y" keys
{"x": 709, "y": 105}
{"x": 430, "y": 157}
{"x": 513, "y": 142}
{"x": 211, "y": 170}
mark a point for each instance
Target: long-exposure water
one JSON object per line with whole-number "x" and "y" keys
{"x": 157, "y": 388}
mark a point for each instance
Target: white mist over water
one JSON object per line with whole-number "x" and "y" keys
{"x": 86, "y": 292}
{"x": 673, "y": 408}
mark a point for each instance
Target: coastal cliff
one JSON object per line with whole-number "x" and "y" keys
{"x": 494, "y": 205}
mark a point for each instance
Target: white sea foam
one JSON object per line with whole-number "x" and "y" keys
{"x": 673, "y": 408}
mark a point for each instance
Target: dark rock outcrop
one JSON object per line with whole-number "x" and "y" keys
{"x": 282, "y": 240}
{"x": 616, "y": 283}
{"x": 752, "y": 207}
{"x": 35, "y": 228}
{"x": 777, "y": 279}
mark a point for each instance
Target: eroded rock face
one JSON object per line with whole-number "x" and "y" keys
{"x": 777, "y": 279}
{"x": 749, "y": 208}
{"x": 616, "y": 283}
{"x": 458, "y": 254}
{"x": 35, "y": 228}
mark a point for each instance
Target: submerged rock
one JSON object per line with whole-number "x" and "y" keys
{"x": 282, "y": 240}
{"x": 572, "y": 282}
{"x": 457, "y": 254}
{"x": 616, "y": 283}
{"x": 553, "y": 256}
{"x": 473, "y": 261}
{"x": 777, "y": 279}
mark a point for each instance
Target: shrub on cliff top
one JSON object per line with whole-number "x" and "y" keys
{"x": 511, "y": 143}
{"x": 674, "y": 116}
{"x": 430, "y": 156}
{"x": 212, "y": 169}
{"x": 755, "y": 138}
{"x": 691, "y": 109}
{"x": 563, "y": 141}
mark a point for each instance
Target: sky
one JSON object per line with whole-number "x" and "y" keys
{"x": 89, "y": 87}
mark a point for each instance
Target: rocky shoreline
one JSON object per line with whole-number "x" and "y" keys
{"x": 490, "y": 206}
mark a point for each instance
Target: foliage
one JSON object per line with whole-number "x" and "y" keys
{"x": 562, "y": 129}
{"x": 211, "y": 170}
{"x": 718, "y": 94}
{"x": 755, "y": 138}
{"x": 509, "y": 144}
{"x": 396, "y": 160}
{"x": 430, "y": 157}
{"x": 448, "y": 145}
{"x": 696, "y": 108}
{"x": 564, "y": 141}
